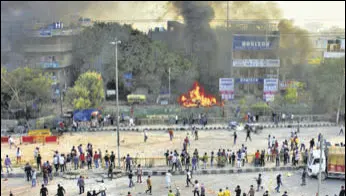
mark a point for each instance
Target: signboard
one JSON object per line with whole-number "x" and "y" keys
{"x": 256, "y": 63}
{"x": 334, "y": 54}
{"x": 270, "y": 87}
{"x": 226, "y": 88}
{"x": 45, "y": 33}
{"x": 49, "y": 64}
{"x": 111, "y": 92}
{"x": 249, "y": 80}
{"x": 243, "y": 42}
{"x": 39, "y": 132}
{"x": 128, "y": 76}
{"x": 342, "y": 44}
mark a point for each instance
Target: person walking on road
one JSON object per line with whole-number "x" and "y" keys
{"x": 131, "y": 184}
{"x": 341, "y": 130}
{"x": 251, "y": 191}
{"x": 220, "y": 193}
{"x": 168, "y": 179}
{"x": 149, "y": 186}
{"x": 259, "y": 181}
{"x": 227, "y": 192}
{"x": 266, "y": 193}
{"x": 278, "y": 182}
{"x": 43, "y": 191}
{"x": 248, "y": 134}
{"x": 33, "y": 178}
{"x": 8, "y": 163}
{"x": 81, "y": 184}
{"x": 342, "y": 191}
{"x": 139, "y": 174}
{"x": 196, "y": 188}
{"x": 28, "y": 170}
{"x": 145, "y": 135}
{"x": 237, "y": 191}
{"x": 61, "y": 191}
{"x": 188, "y": 178}
{"x": 235, "y": 136}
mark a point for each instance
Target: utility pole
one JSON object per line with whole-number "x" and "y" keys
{"x": 227, "y": 14}
{"x": 61, "y": 114}
{"x": 169, "y": 85}
{"x": 340, "y": 98}
{"x": 320, "y": 168}
{"x": 116, "y": 42}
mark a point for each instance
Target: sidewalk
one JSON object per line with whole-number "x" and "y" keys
{"x": 208, "y": 127}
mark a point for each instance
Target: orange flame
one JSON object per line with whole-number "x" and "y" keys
{"x": 196, "y": 97}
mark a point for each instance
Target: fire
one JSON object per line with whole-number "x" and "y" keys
{"x": 196, "y": 97}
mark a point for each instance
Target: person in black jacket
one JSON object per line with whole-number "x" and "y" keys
{"x": 112, "y": 158}
{"x": 131, "y": 184}
{"x": 27, "y": 170}
{"x": 342, "y": 191}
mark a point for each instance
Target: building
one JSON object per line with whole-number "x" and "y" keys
{"x": 325, "y": 47}
{"x": 255, "y": 62}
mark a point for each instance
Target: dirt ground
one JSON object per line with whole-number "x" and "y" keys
{"x": 158, "y": 142}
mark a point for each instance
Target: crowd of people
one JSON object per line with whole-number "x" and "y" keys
{"x": 188, "y": 160}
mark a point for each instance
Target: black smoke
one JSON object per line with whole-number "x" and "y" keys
{"x": 202, "y": 39}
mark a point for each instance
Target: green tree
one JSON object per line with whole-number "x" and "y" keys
{"x": 147, "y": 60}
{"x": 23, "y": 87}
{"x": 88, "y": 91}
{"x": 328, "y": 85}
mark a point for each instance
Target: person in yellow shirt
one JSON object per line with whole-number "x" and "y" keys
{"x": 227, "y": 192}
{"x": 170, "y": 193}
{"x": 220, "y": 193}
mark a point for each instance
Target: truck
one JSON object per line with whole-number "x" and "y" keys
{"x": 333, "y": 163}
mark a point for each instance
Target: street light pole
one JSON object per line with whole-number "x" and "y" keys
{"x": 116, "y": 42}
{"x": 169, "y": 85}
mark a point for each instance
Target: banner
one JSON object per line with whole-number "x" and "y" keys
{"x": 249, "y": 80}
{"x": 334, "y": 54}
{"x": 243, "y": 42}
{"x": 39, "y": 132}
{"x": 226, "y": 88}
{"x": 256, "y": 63}
{"x": 270, "y": 87}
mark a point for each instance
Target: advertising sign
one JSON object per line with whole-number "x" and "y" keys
{"x": 249, "y": 80}
{"x": 256, "y": 63}
{"x": 334, "y": 54}
{"x": 226, "y": 88}
{"x": 270, "y": 87}
{"x": 45, "y": 33}
{"x": 243, "y": 42}
{"x": 49, "y": 64}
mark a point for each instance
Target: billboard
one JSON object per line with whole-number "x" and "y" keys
{"x": 256, "y": 63}
{"x": 249, "y": 80}
{"x": 270, "y": 87}
{"x": 226, "y": 88}
{"x": 334, "y": 54}
{"x": 244, "y": 42}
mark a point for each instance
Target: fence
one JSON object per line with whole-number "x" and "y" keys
{"x": 150, "y": 162}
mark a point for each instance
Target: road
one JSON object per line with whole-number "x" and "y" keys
{"x": 212, "y": 183}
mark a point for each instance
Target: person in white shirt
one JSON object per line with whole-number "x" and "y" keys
{"x": 19, "y": 155}
{"x": 196, "y": 188}
{"x": 168, "y": 179}
{"x": 33, "y": 178}
{"x": 10, "y": 141}
{"x": 131, "y": 122}
{"x": 145, "y": 135}
{"x": 36, "y": 151}
{"x": 56, "y": 163}
{"x": 269, "y": 154}
{"x": 243, "y": 158}
{"x": 174, "y": 162}
{"x": 62, "y": 163}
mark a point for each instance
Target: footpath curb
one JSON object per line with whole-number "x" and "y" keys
{"x": 162, "y": 173}
{"x": 211, "y": 127}
{"x": 226, "y": 171}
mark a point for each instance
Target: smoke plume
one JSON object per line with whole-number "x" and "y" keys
{"x": 197, "y": 16}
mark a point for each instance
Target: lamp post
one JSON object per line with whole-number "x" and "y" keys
{"x": 116, "y": 42}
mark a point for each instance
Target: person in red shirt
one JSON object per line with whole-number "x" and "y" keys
{"x": 96, "y": 159}
{"x": 82, "y": 159}
{"x": 170, "y": 134}
{"x": 129, "y": 194}
{"x": 257, "y": 158}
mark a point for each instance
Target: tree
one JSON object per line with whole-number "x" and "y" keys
{"x": 25, "y": 87}
{"x": 88, "y": 91}
{"x": 147, "y": 60}
{"x": 329, "y": 85}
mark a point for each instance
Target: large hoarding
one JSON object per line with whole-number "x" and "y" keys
{"x": 226, "y": 88}
{"x": 256, "y": 63}
{"x": 245, "y": 42}
{"x": 270, "y": 87}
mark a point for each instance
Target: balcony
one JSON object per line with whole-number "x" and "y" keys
{"x": 48, "y": 48}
